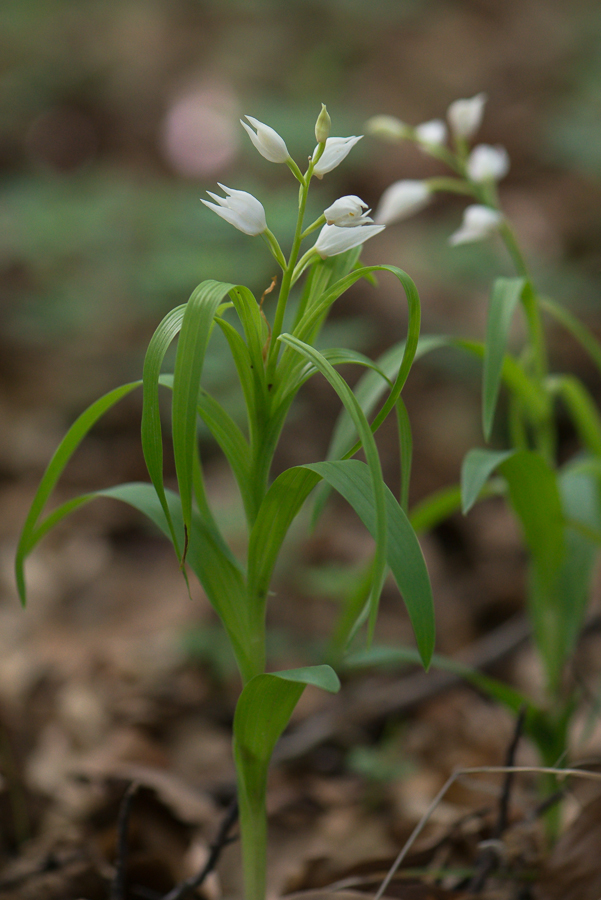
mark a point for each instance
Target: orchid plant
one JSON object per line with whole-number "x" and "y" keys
{"x": 556, "y": 503}
{"x": 274, "y": 355}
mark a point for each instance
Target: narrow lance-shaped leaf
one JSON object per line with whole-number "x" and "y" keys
{"x": 505, "y": 296}
{"x": 54, "y": 470}
{"x": 371, "y": 455}
{"x": 477, "y": 467}
{"x": 151, "y": 430}
{"x": 193, "y": 340}
{"x": 351, "y": 478}
{"x": 534, "y": 495}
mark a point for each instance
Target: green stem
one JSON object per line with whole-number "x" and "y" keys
{"x": 278, "y": 321}
{"x": 452, "y": 185}
{"x": 253, "y": 829}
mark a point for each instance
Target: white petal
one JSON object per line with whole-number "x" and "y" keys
{"x": 333, "y": 240}
{"x": 434, "y": 132}
{"x": 240, "y": 209}
{"x": 347, "y": 212}
{"x": 486, "y": 163}
{"x": 335, "y": 151}
{"x": 267, "y": 141}
{"x": 479, "y": 222}
{"x": 402, "y": 199}
{"x": 465, "y": 116}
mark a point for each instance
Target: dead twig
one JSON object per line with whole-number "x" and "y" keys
{"x": 489, "y": 856}
{"x": 222, "y": 839}
{"x": 117, "y": 891}
{"x": 476, "y": 770}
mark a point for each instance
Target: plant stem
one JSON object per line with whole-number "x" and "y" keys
{"x": 287, "y": 281}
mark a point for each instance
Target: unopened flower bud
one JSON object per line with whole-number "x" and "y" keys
{"x": 323, "y": 125}
{"x": 479, "y": 222}
{"x": 401, "y": 200}
{"x": 486, "y": 163}
{"x": 433, "y": 132}
{"x": 389, "y": 128}
{"x": 267, "y": 141}
{"x": 465, "y": 116}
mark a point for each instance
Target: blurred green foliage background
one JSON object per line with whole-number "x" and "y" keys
{"x": 117, "y": 115}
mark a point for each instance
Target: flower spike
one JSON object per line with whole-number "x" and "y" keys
{"x": 240, "y": 209}
{"x": 267, "y": 141}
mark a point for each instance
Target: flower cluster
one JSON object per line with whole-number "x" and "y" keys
{"x": 346, "y": 224}
{"x": 479, "y": 169}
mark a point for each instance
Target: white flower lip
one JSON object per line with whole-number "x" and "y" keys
{"x": 465, "y": 116}
{"x": 240, "y": 209}
{"x": 347, "y": 212}
{"x": 333, "y": 239}
{"x": 486, "y": 163}
{"x": 479, "y": 223}
{"x": 335, "y": 151}
{"x": 401, "y": 200}
{"x": 433, "y": 132}
{"x": 267, "y": 141}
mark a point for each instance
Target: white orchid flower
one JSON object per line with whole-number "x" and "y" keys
{"x": 401, "y": 200}
{"x": 486, "y": 163}
{"x": 336, "y": 149}
{"x": 347, "y": 212}
{"x": 240, "y": 209}
{"x": 465, "y": 116}
{"x": 333, "y": 239}
{"x": 433, "y": 132}
{"x": 267, "y": 141}
{"x": 389, "y": 128}
{"x": 479, "y": 223}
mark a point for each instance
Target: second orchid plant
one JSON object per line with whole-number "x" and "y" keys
{"x": 274, "y": 354}
{"x": 557, "y": 502}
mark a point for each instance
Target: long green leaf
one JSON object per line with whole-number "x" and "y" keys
{"x": 209, "y": 557}
{"x": 262, "y": 713}
{"x": 194, "y": 337}
{"x": 384, "y": 656}
{"x": 151, "y": 430}
{"x": 505, "y": 296}
{"x": 477, "y": 467}
{"x": 540, "y": 725}
{"x": 371, "y": 455}
{"x": 351, "y": 478}
{"x": 558, "y": 607}
{"x": 534, "y": 495}
{"x": 54, "y": 470}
